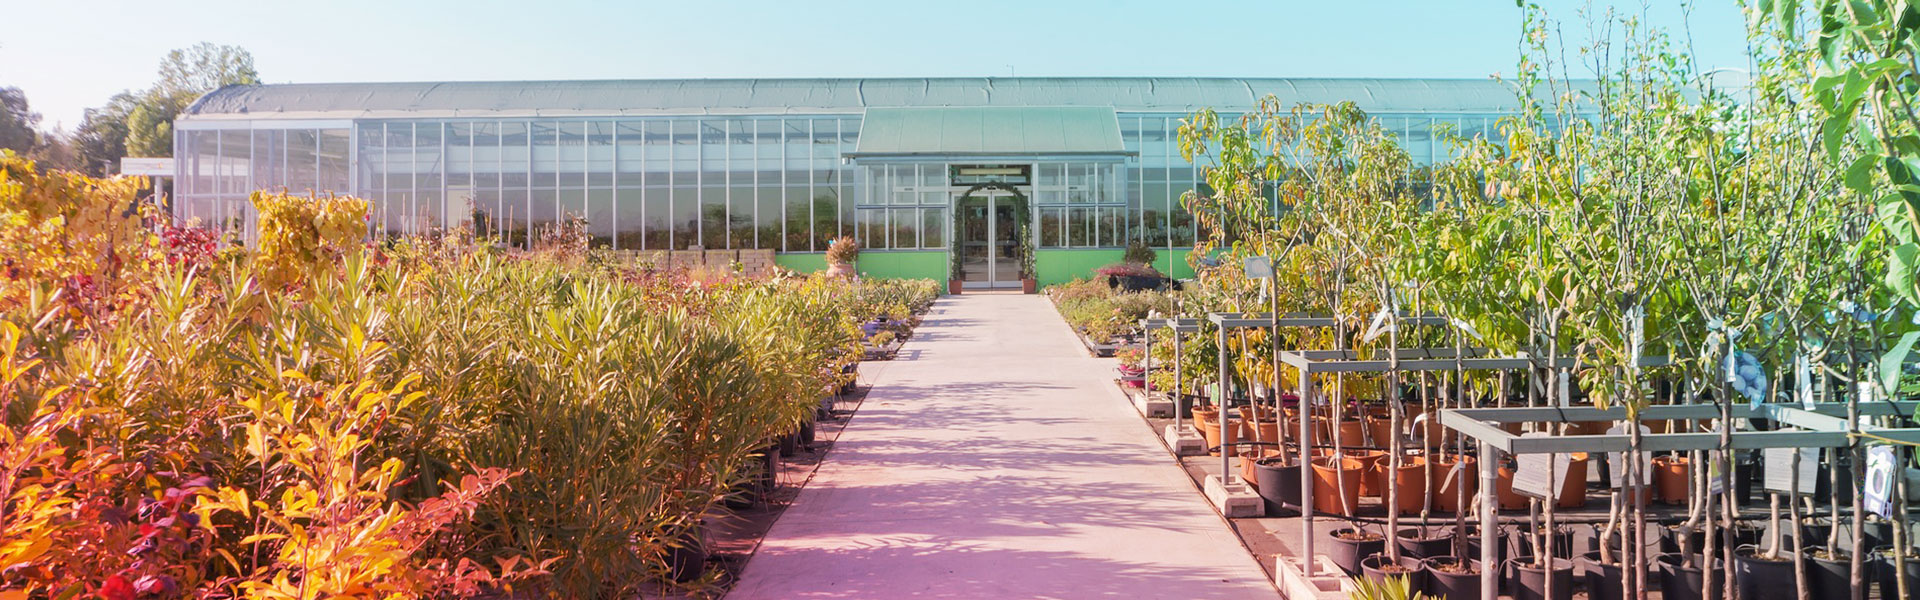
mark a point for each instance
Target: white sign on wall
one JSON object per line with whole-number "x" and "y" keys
{"x": 148, "y": 167}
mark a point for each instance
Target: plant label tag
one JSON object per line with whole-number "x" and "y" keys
{"x": 1257, "y": 267}
{"x": 1877, "y": 494}
{"x": 1716, "y": 469}
{"x": 1383, "y": 322}
{"x": 1803, "y": 380}
{"x": 1616, "y": 465}
{"x": 1781, "y": 477}
{"x": 1539, "y": 474}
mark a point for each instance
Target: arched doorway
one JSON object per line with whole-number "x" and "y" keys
{"x": 992, "y": 241}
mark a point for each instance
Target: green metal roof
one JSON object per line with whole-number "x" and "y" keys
{"x": 989, "y": 131}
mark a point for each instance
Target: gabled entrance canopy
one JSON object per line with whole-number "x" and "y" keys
{"x": 989, "y": 131}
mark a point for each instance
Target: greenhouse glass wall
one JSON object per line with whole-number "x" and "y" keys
{"x": 765, "y": 164}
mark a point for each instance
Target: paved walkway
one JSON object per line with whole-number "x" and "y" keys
{"x": 994, "y": 459}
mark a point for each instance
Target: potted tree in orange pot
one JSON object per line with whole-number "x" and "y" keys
{"x": 1028, "y": 283}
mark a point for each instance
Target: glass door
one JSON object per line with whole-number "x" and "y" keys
{"x": 989, "y": 246}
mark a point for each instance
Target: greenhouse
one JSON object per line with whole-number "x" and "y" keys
{"x": 775, "y": 164}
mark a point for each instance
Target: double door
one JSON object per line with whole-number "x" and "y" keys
{"x": 989, "y": 241}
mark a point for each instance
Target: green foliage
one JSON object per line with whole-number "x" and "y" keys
{"x": 1139, "y": 253}
{"x": 1397, "y": 587}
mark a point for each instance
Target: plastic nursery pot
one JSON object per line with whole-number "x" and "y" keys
{"x": 1378, "y": 568}
{"x": 1450, "y": 578}
{"x": 1350, "y": 545}
{"x": 1247, "y": 460}
{"x": 1883, "y": 571}
{"x": 1207, "y": 420}
{"x": 1379, "y": 431}
{"x": 1530, "y": 580}
{"x": 1373, "y": 483}
{"x": 789, "y": 443}
{"x": 1431, "y": 432}
{"x": 1829, "y": 575}
{"x": 1447, "y": 484}
{"x": 1604, "y": 578}
{"x": 1670, "y": 478}
{"x": 1758, "y": 577}
{"x": 1264, "y": 431}
{"x": 1876, "y": 532}
{"x": 1412, "y": 479}
{"x": 686, "y": 557}
{"x": 1279, "y": 485}
{"x": 1682, "y": 581}
{"x": 1574, "y": 493}
{"x": 1330, "y": 481}
{"x": 807, "y": 433}
{"x": 1433, "y": 542}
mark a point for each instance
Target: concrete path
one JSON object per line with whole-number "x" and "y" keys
{"x": 995, "y": 459}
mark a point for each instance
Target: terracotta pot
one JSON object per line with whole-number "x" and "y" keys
{"x": 1207, "y": 421}
{"x": 953, "y": 287}
{"x": 1412, "y": 479}
{"x": 1573, "y": 494}
{"x": 1503, "y": 491}
{"x": 1431, "y": 432}
{"x": 1589, "y": 427}
{"x": 1329, "y": 481}
{"x": 1380, "y": 431}
{"x": 840, "y": 270}
{"x": 1446, "y": 489}
{"x": 1265, "y": 431}
{"x": 1670, "y": 478}
{"x": 1373, "y": 483}
{"x": 1029, "y": 286}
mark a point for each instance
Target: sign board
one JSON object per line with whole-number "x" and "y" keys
{"x": 148, "y": 167}
{"x": 1882, "y": 465}
{"x": 1780, "y": 476}
{"x": 1541, "y": 475}
{"x": 1258, "y": 267}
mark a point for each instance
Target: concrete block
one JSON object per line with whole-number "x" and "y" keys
{"x": 1327, "y": 583}
{"x": 1153, "y": 405}
{"x": 721, "y": 259}
{"x": 1184, "y": 441}
{"x": 1235, "y": 500}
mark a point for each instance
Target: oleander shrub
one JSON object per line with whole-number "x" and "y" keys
{"x": 317, "y": 416}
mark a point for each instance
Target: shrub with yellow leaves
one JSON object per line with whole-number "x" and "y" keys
{"x": 301, "y": 236}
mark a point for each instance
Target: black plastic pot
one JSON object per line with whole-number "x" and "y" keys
{"x": 1876, "y": 532}
{"x": 1530, "y": 581}
{"x": 1829, "y": 579}
{"x": 789, "y": 444}
{"x": 807, "y": 432}
{"x": 1278, "y": 485}
{"x": 1447, "y": 585}
{"x": 1604, "y": 579}
{"x": 1883, "y": 572}
{"x": 1823, "y": 492}
{"x": 1501, "y": 545}
{"x": 1436, "y": 542}
{"x": 1679, "y": 582}
{"x": 1186, "y": 404}
{"x": 687, "y": 559}
{"x": 1373, "y": 567}
{"x": 1759, "y": 579}
{"x": 1347, "y": 553}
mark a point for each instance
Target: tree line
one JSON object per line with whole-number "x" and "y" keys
{"x": 131, "y": 123}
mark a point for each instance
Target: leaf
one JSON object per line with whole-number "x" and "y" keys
{"x": 1832, "y": 133}
{"x": 1892, "y": 362}
{"x": 1902, "y": 262}
{"x": 1859, "y": 175}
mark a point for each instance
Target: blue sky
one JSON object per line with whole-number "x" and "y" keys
{"x": 71, "y": 54}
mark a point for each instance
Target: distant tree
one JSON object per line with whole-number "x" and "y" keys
{"x": 18, "y": 123}
{"x": 101, "y": 138}
{"x": 203, "y": 68}
{"x": 141, "y": 124}
{"x": 150, "y": 124}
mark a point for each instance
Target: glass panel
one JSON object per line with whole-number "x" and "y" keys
{"x": 796, "y": 180}
{"x": 1052, "y": 227}
{"x": 933, "y": 225}
{"x": 906, "y": 227}
{"x": 333, "y": 160}
{"x": 741, "y": 185}
{"x": 873, "y": 229}
{"x": 1006, "y": 247}
{"x": 600, "y": 217}
{"x": 1080, "y": 226}
{"x": 1113, "y": 227}
{"x": 973, "y": 228}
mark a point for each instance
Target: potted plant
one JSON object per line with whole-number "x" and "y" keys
{"x": 840, "y": 256}
{"x": 1028, "y": 282}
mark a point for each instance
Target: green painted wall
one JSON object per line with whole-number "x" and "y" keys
{"x": 1061, "y": 266}
{"x": 802, "y": 262}
{"x": 1055, "y": 266}
{"x": 897, "y": 264}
